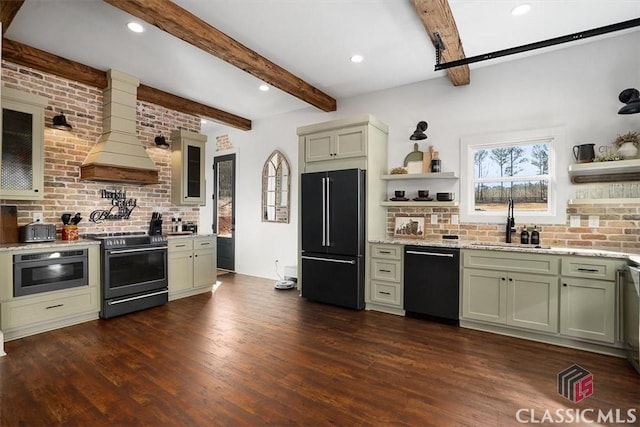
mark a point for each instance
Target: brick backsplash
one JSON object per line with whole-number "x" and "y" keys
{"x": 619, "y": 228}
{"x": 65, "y": 151}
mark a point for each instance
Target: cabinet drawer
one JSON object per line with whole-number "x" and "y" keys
{"x": 386, "y": 293}
{"x": 511, "y": 261}
{"x": 591, "y": 267}
{"x": 386, "y": 251}
{"x": 203, "y": 243}
{"x": 180, "y": 245}
{"x": 49, "y": 307}
{"x": 386, "y": 270}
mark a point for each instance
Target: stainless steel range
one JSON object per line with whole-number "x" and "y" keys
{"x": 134, "y": 272}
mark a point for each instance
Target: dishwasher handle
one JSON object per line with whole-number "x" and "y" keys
{"x": 430, "y": 254}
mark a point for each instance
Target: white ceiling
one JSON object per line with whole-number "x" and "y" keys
{"x": 313, "y": 39}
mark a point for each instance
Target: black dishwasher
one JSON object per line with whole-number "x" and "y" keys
{"x": 431, "y": 282}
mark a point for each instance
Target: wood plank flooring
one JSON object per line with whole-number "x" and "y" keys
{"x": 252, "y": 355}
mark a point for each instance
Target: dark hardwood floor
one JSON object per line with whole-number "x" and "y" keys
{"x": 252, "y": 355}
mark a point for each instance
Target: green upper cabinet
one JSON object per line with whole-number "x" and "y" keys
{"x": 22, "y": 146}
{"x": 187, "y": 168}
{"x": 336, "y": 144}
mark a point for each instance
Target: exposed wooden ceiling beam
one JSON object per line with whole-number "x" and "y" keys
{"x": 28, "y": 56}
{"x": 8, "y": 10}
{"x": 173, "y": 102}
{"x": 182, "y": 24}
{"x": 436, "y": 17}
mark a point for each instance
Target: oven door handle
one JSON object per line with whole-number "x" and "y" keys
{"x": 128, "y": 251}
{"x": 137, "y": 297}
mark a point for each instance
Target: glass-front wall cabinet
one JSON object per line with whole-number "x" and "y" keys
{"x": 187, "y": 168}
{"x": 22, "y": 146}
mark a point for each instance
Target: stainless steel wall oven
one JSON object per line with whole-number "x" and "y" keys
{"x": 49, "y": 271}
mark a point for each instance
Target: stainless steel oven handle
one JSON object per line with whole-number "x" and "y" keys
{"x": 128, "y": 251}
{"x": 153, "y": 294}
{"x": 430, "y": 254}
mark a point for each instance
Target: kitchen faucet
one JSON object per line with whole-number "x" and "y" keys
{"x": 511, "y": 222}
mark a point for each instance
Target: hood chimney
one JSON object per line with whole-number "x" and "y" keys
{"x": 118, "y": 156}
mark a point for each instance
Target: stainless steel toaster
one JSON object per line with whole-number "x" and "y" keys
{"x": 34, "y": 233}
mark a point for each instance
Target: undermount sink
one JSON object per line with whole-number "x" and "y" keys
{"x": 510, "y": 245}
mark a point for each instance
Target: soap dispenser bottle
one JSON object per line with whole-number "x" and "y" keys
{"x": 535, "y": 236}
{"x": 524, "y": 236}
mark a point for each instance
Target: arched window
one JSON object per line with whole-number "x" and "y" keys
{"x": 276, "y": 184}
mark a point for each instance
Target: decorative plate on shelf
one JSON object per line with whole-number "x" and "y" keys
{"x": 423, "y": 199}
{"x": 399, "y": 199}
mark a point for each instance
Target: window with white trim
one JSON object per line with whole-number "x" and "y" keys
{"x": 514, "y": 165}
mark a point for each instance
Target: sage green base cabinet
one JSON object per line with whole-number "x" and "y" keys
{"x": 192, "y": 265}
{"x": 494, "y": 293}
{"x": 572, "y": 301}
{"x": 589, "y": 298}
{"x": 32, "y": 314}
{"x": 386, "y": 288}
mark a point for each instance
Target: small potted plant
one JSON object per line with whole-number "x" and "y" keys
{"x": 627, "y": 144}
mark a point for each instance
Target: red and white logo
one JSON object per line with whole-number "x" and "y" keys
{"x": 575, "y": 383}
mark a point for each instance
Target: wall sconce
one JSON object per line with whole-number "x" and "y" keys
{"x": 60, "y": 122}
{"x": 161, "y": 141}
{"x": 631, "y": 97}
{"x": 419, "y": 134}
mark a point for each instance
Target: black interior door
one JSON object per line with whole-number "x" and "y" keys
{"x": 224, "y": 207}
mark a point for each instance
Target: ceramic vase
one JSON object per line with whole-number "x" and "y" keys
{"x": 628, "y": 150}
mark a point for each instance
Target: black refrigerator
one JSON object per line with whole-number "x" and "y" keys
{"x": 333, "y": 237}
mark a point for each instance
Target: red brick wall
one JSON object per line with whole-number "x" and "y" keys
{"x": 65, "y": 151}
{"x": 619, "y": 228}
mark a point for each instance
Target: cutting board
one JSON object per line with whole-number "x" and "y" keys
{"x": 426, "y": 160}
{"x": 414, "y": 156}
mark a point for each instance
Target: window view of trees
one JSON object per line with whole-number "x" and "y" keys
{"x": 518, "y": 172}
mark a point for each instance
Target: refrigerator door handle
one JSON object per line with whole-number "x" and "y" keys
{"x": 324, "y": 212}
{"x": 339, "y": 261}
{"x": 328, "y": 215}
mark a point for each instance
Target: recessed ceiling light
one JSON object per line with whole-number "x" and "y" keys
{"x": 135, "y": 27}
{"x": 203, "y": 122}
{"x": 521, "y": 10}
{"x": 264, "y": 88}
{"x": 357, "y": 59}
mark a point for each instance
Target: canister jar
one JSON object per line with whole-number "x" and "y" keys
{"x": 69, "y": 232}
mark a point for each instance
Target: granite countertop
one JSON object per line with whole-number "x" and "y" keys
{"x": 61, "y": 244}
{"x": 57, "y": 245}
{"x": 511, "y": 247}
{"x": 187, "y": 234}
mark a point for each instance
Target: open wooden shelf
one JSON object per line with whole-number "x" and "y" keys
{"x": 411, "y": 203}
{"x": 433, "y": 175}
{"x": 620, "y": 170}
